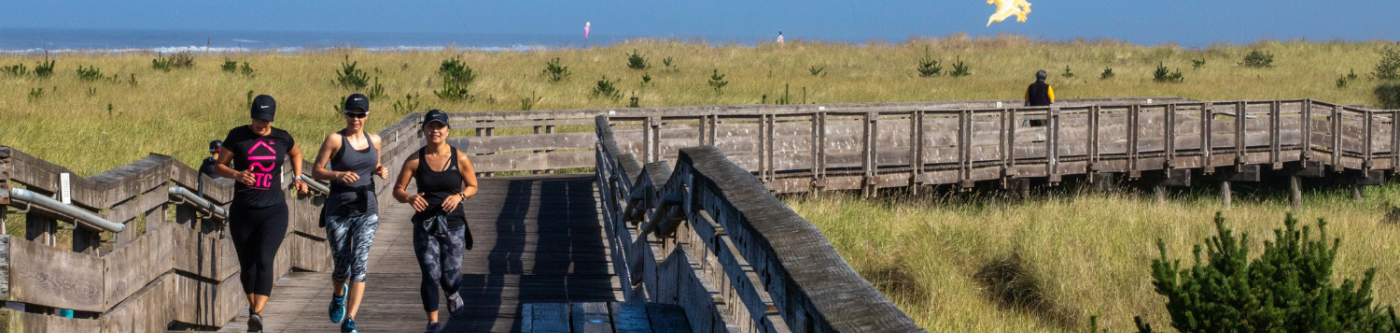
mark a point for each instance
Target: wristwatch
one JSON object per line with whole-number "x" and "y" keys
{"x": 463, "y": 196}
{"x": 297, "y": 177}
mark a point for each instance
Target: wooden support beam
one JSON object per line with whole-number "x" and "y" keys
{"x": 1295, "y": 193}
{"x": 1225, "y": 195}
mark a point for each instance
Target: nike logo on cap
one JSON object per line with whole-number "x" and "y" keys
{"x": 264, "y": 106}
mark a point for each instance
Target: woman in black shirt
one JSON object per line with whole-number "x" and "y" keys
{"x": 257, "y": 219}
{"x": 445, "y": 178}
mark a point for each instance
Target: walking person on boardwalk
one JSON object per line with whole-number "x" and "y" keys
{"x": 351, "y": 212}
{"x": 257, "y": 218}
{"x": 1040, "y": 93}
{"x": 445, "y": 179}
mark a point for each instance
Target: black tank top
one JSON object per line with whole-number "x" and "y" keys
{"x": 356, "y": 198}
{"x": 436, "y": 186}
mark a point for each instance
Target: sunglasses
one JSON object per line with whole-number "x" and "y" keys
{"x": 357, "y": 115}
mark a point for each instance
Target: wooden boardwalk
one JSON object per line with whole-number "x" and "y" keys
{"x": 538, "y": 239}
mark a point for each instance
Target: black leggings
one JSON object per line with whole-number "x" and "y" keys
{"x": 256, "y": 235}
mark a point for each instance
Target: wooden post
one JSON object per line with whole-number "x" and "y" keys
{"x": 647, "y": 128}
{"x": 1306, "y": 130}
{"x": 1336, "y": 138}
{"x": 868, "y": 163}
{"x": 1240, "y": 114}
{"x": 86, "y": 240}
{"x": 1356, "y": 192}
{"x": 549, "y": 129}
{"x": 1159, "y": 192}
{"x": 1052, "y": 151}
{"x": 40, "y": 227}
{"x": 821, "y": 148}
{"x": 1275, "y": 142}
{"x": 1206, "y": 115}
{"x": 1395, "y": 140}
{"x": 916, "y": 148}
{"x": 537, "y": 129}
{"x": 1133, "y": 130}
{"x": 1169, "y": 131}
{"x": 1295, "y": 192}
{"x": 1225, "y": 194}
{"x": 1366, "y": 137}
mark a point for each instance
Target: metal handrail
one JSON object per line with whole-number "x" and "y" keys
{"x": 314, "y": 185}
{"x": 190, "y": 197}
{"x": 78, "y": 214}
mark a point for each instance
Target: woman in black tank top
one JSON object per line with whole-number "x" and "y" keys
{"x": 445, "y": 178}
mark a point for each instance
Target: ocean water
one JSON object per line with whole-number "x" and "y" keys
{"x": 29, "y": 41}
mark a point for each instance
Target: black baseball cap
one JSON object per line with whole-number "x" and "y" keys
{"x": 357, "y": 101}
{"x": 264, "y": 107}
{"x": 215, "y": 145}
{"x": 436, "y": 116}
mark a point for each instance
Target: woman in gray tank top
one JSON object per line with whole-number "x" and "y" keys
{"x": 351, "y": 213}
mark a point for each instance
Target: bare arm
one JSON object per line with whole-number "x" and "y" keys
{"x": 328, "y": 149}
{"x": 295, "y": 155}
{"x": 410, "y": 165}
{"x": 468, "y": 175}
{"x": 379, "y": 168}
{"x": 222, "y": 169}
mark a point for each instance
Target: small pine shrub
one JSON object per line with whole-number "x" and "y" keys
{"x": 817, "y": 71}
{"x": 636, "y": 61}
{"x": 45, "y": 68}
{"x": 91, "y": 91}
{"x": 960, "y": 69}
{"x": 527, "y": 103}
{"x": 669, "y": 67}
{"x": 1351, "y": 75}
{"x": 15, "y": 70}
{"x": 1196, "y": 64}
{"x": 229, "y": 66}
{"x": 181, "y": 60}
{"x": 786, "y": 99}
{"x": 456, "y": 70}
{"x": 35, "y": 94}
{"x": 1287, "y": 288}
{"x": 350, "y": 77}
{"x": 1067, "y": 74}
{"x": 634, "y": 102}
{"x": 249, "y": 102}
{"x": 1107, "y": 74}
{"x": 90, "y": 73}
{"x": 1389, "y": 95}
{"x": 717, "y": 82}
{"x": 132, "y": 81}
{"x": 246, "y": 70}
{"x": 1162, "y": 75}
{"x": 556, "y": 72}
{"x": 1342, "y": 81}
{"x": 160, "y": 64}
{"x": 606, "y": 89}
{"x": 646, "y": 79}
{"x": 1389, "y": 67}
{"x": 409, "y": 104}
{"x": 375, "y": 90}
{"x": 1258, "y": 59}
{"x": 928, "y": 67}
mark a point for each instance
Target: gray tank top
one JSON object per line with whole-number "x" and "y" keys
{"x": 349, "y": 196}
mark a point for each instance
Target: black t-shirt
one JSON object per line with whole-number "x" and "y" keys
{"x": 264, "y": 156}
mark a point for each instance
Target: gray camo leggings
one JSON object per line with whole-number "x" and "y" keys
{"x": 350, "y": 238}
{"x": 440, "y": 259}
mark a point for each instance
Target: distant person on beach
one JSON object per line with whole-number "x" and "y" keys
{"x": 445, "y": 179}
{"x": 1040, "y": 93}
{"x": 351, "y": 213}
{"x": 780, "y": 37}
{"x": 257, "y": 218}
{"x": 207, "y": 167}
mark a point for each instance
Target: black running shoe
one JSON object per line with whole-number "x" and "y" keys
{"x": 255, "y": 322}
{"x": 454, "y": 304}
{"x": 433, "y": 327}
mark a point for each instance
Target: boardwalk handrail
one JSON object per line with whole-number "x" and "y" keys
{"x": 719, "y": 244}
{"x": 199, "y": 202}
{"x": 78, "y": 215}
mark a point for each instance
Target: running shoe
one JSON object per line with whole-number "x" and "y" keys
{"x": 433, "y": 328}
{"x": 454, "y": 304}
{"x": 337, "y": 309}
{"x": 348, "y": 326}
{"x": 255, "y": 322}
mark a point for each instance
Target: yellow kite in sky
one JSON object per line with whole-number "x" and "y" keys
{"x": 1006, "y": 8}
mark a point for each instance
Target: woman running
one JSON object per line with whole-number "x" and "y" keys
{"x": 351, "y": 210}
{"x": 445, "y": 178}
{"x": 257, "y": 219}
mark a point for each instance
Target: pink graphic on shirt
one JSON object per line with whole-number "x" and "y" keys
{"x": 262, "y": 176}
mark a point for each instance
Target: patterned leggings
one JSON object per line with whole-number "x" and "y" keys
{"x": 440, "y": 259}
{"x": 350, "y": 238}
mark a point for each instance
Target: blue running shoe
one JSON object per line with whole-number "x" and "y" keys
{"x": 337, "y": 310}
{"x": 348, "y": 326}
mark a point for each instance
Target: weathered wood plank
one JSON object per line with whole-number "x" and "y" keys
{"x": 591, "y": 317}
{"x": 12, "y": 320}
{"x": 630, "y": 317}
{"x": 551, "y": 317}
{"x": 44, "y": 275}
{"x": 132, "y": 267}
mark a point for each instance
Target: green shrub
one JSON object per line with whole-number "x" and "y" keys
{"x": 15, "y": 70}
{"x": 181, "y": 60}
{"x": 35, "y": 94}
{"x": 246, "y": 70}
{"x": 717, "y": 82}
{"x": 89, "y": 74}
{"x": 1258, "y": 59}
{"x": 1286, "y": 289}
{"x": 634, "y": 102}
{"x": 1389, "y": 67}
{"x": 1342, "y": 81}
{"x": 960, "y": 69}
{"x": 375, "y": 90}
{"x": 1389, "y": 95}
{"x": 456, "y": 70}
{"x": 527, "y": 103}
{"x": 229, "y": 66}
{"x": 928, "y": 67}
{"x": 1196, "y": 64}
{"x": 635, "y": 61}
{"x": 606, "y": 89}
{"x": 556, "y": 72}
{"x": 408, "y": 104}
{"x": 646, "y": 79}
{"x": 45, "y": 68}
{"x": 349, "y": 77}
{"x": 1162, "y": 75}
{"x": 817, "y": 71}
{"x": 1067, "y": 74}
{"x": 1107, "y": 74}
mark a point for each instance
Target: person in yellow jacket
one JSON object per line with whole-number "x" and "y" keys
{"x": 1040, "y": 93}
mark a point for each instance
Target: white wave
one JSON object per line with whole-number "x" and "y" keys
{"x": 245, "y": 40}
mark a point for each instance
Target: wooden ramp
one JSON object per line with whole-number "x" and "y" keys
{"x": 538, "y": 239}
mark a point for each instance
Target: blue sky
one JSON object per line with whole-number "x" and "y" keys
{"x": 1188, "y": 22}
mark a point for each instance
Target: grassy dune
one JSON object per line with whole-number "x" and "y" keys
{"x": 1082, "y": 255}
{"x": 1090, "y": 253}
{"x": 178, "y": 112}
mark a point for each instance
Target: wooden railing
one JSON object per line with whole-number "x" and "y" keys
{"x": 709, "y": 237}
{"x": 871, "y": 149}
{"x": 176, "y": 272}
